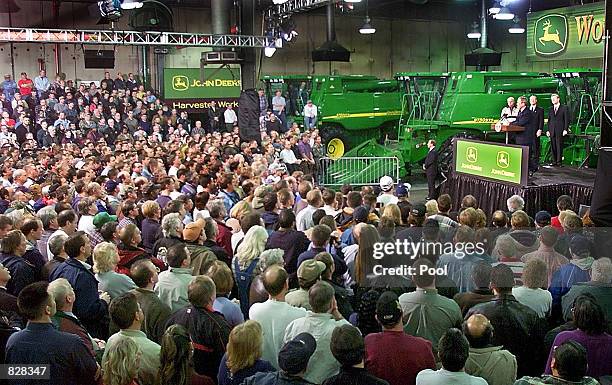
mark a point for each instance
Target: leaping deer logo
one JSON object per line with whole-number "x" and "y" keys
{"x": 548, "y": 36}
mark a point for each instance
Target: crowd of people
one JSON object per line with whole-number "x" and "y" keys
{"x": 139, "y": 248}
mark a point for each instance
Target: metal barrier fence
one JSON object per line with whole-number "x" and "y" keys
{"x": 358, "y": 171}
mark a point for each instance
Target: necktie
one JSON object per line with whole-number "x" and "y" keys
{"x": 556, "y": 108}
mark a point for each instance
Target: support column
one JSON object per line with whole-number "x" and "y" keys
{"x": 146, "y": 71}
{"x": 249, "y": 55}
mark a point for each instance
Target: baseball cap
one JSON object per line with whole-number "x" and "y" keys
{"x": 360, "y": 215}
{"x": 418, "y": 210}
{"x": 310, "y": 270}
{"x": 388, "y": 309}
{"x": 403, "y": 189}
{"x": 111, "y": 186}
{"x": 260, "y": 193}
{"x": 580, "y": 246}
{"x": 193, "y": 230}
{"x": 543, "y": 218}
{"x": 386, "y": 183}
{"x": 294, "y": 355}
{"x": 103, "y": 218}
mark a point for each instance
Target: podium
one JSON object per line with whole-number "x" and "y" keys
{"x": 507, "y": 129}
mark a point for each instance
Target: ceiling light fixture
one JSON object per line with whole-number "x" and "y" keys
{"x": 474, "y": 32}
{"x": 516, "y": 28}
{"x": 131, "y": 4}
{"x": 278, "y": 2}
{"x": 367, "y": 28}
{"x": 494, "y": 10}
{"x": 504, "y": 14}
{"x": 352, "y": 1}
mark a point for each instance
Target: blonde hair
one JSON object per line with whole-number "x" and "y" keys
{"x": 244, "y": 346}
{"x": 393, "y": 211}
{"x": 150, "y": 208}
{"x": 252, "y": 246}
{"x": 105, "y": 256}
{"x": 240, "y": 209}
{"x": 431, "y": 207}
{"x": 222, "y": 276}
{"x": 121, "y": 367}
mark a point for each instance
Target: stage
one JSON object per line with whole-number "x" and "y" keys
{"x": 541, "y": 193}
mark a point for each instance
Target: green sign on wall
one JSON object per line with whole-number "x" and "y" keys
{"x": 186, "y": 83}
{"x": 566, "y": 33}
{"x": 504, "y": 163}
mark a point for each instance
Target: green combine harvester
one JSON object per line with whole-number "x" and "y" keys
{"x": 352, "y": 109}
{"x": 444, "y": 106}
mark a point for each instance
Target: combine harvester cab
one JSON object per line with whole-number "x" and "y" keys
{"x": 352, "y": 110}
{"x": 582, "y": 89}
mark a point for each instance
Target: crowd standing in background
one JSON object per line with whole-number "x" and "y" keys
{"x": 141, "y": 247}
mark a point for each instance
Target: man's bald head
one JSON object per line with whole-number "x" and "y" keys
{"x": 275, "y": 280}
{"x": 478, "y": 331}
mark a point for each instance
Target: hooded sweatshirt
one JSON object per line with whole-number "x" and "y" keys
{"x": 578, "y": 270}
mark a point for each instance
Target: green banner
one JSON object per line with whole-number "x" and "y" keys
{"x": 186, "y": 83}
{"x": 504, "y": 163}
{"x": 566, "y": 33}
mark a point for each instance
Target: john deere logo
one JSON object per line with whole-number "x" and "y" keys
{"x": 550, "y": 35}
{"x": 503, "y": 159}
{"x": 471, "y": 154}
{"x": 180, "y": 83}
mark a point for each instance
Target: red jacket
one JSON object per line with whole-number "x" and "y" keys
{"x": 224, "y": 238}
{"x": 129, "y": 255}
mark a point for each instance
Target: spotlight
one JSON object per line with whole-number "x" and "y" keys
{"x": 352, "y": 1}
{"x": 504, "y": 14}
{"x": 367, "y": 28}
{"x": 278, "y": 2}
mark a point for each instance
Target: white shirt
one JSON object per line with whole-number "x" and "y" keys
{"x": 274, "y": 317}
{"x": 310, "y": 111}
{"x": 320, "y": 326}
{"x": 86, "y": 224}
{"x": 539, "y": 300}
{"x": 172, "y": 171}
{"x": 444, "y": 377}
{"x": 288, "y": 156}
{"x": 330, "y": 211}
{"x": 303, "y": 219}
{"x": 230, "y": 116}
{"x": 511, "y": 114}
{"x": 386, "y": 199}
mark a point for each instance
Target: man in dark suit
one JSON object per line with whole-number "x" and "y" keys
{"x": 214, "y": 117}
{"x": 431, "y": 169}
{"x": 558, "y": 127}
{"x": 525, "y": 119}
{"x": 538, "y": 113}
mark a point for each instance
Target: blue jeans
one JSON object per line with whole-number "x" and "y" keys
{"x": 310, "y": 123}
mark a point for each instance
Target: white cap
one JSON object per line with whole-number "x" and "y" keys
{"x": 386, "y": 183}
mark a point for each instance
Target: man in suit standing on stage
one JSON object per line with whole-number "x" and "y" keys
{"x": 558, "y": 127}
{"x": 431, "y": 168}
{"x": 538, "y": 113}
{"x": 526, "y": 119}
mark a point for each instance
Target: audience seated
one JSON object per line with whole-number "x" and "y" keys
{"x": 517, "y": 327}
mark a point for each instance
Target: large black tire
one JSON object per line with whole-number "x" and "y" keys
{"x": 331, "y": 136}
